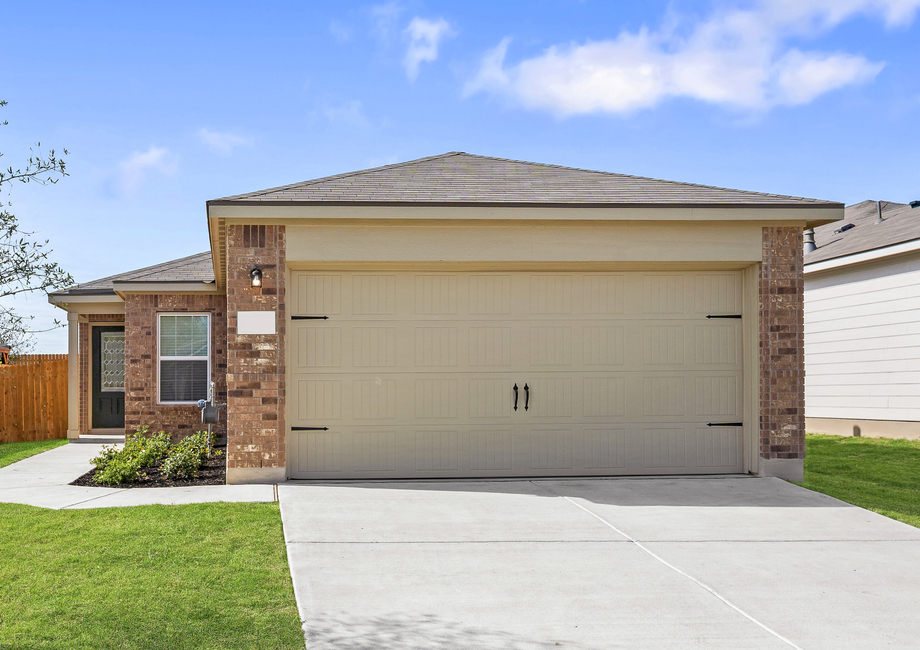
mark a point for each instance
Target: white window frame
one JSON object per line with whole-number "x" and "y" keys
{"x": 160, "y": 358}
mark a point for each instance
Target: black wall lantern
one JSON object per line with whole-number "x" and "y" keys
{"x": 256, "y": 275}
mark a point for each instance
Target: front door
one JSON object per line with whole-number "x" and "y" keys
{"x": 109, "y": 377}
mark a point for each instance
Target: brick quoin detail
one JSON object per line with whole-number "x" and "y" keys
{"x": 142, "y": 373}
{"x": 86, "y": 378}
{"x": 255, "y": 363}
{"x": 782, "y": 345}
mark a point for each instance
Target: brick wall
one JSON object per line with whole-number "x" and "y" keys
{"x": 782, "y": 345}
{"x": 141, "y": 405}
{"x": 255, "y": 363}
{"x": 86, "y": 377}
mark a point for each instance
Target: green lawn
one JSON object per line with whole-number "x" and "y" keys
{"x": 10, "y": 452}
{"x": 203, "y": 576}
{"x": 878, "y": 474}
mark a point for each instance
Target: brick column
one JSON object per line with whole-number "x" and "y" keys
{"x": 782, "y": 354}
{"x": 255, "y": 362}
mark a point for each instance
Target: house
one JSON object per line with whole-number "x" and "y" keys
{"x": 466, "y": 316}
{"x": 862, "y": 323}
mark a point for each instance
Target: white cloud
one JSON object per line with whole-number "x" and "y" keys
{"x": 340, "y": 31}
{"x": 736, "y": 57}
{"x": 385, "y": 18}
{"x": 424, "y": 37}
{"x": 350, "y": 113}
{"x": 133, "y": 171}
{"x": 222, "y": 143}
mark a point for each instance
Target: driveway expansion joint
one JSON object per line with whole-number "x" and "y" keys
{"x": 702, "y": 584}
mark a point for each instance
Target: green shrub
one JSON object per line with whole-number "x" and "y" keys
{"x": 186, "y": 456}
{"x": 119, "y": 470}
{"x": 141, "y": 450}
{"x": 106, "y": 456}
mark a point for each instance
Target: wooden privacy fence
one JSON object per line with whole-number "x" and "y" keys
{"x": 33, "y": 398}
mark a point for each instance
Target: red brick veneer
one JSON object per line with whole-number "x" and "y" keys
{"x": 255, "y": 363}
{"x": 782, "y": 345}
{"x": 141, "y": 372}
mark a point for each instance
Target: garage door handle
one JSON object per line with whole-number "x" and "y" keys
{"x": 725, "y": 424}
{"x": 526, "y": 397}
{"x": 724, "y": 316}
{"x": 515, "y": 397}
{"x": 309, "y": 428}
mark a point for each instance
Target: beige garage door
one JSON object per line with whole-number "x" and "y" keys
{"x": 417, "y": 374}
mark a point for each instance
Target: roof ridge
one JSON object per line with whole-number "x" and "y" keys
{"x": 643, "y": 178}
{"x": 576, "y": 185}
{"x": 146, "y": 268}
{"x": 323, "y": 179}
{"x": 164, "y": 266}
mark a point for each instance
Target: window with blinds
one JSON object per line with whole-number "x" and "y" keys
{"x": 184, "y": 357}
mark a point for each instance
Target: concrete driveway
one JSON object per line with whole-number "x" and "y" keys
{"x": 712, "y": 563}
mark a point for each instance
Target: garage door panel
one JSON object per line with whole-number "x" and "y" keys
{"x": 437, "y": 398}
{"x": 604, "y": 396}
{"x": 662, "y": 295}
{"x": 664, "y": 448}
{"x": 492, "y": 397}
{"x": 413, "y": 373}
{"x": 718, "y": 449}
{"x": 491, "y": 450}
{"x": 374, "y": 295}
{"x": 436, "y": 346}
{"x": 604, "y": 294}
{"x": 317, "y": 294}
{"x": 663, "y": 396}
{"x": 317, "y": 347}
{"x": 605, "y": 450}
{"x": 603, "y": 345}
{"x": 437, "y": 295}
{"x": 318, "y": 400}
{"x": 489, "y": 294}
{"x": 717, "y": 293}
{"x": 717, "y": 344}
{"x": 550, "y": 294}
{"x": 489, "y": 347}
{"x": 550, "y": 346}
{"x": 717, "y": 396}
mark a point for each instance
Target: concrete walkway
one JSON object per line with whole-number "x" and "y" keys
{"x": 730, "y": 563}
{"x": 42, "y": 481}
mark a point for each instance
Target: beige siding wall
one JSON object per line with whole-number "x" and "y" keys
{"x": 654, "y": 243}
{"x": 862, "y": 342}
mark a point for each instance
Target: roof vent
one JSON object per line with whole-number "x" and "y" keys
{"x": 844, "y": 228}
{"x": 915, "y": 204}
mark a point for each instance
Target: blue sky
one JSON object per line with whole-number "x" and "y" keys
{"x": 167, "y": 105}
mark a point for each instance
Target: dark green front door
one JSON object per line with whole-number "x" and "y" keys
{"x": 109, "y": 377}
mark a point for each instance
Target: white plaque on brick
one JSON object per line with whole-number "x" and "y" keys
{"x": 255, "y": 322}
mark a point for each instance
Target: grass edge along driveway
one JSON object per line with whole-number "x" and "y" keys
{"x": 209, "y": 576}
{"x": 10, "y": 452}
{"x": 878, "y": 474}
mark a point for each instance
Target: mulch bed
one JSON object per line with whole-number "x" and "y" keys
{"x": 212, "y": 472}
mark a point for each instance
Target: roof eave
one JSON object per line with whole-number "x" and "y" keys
{"x": 522, "y": 204}
{"x": 861, "y": 257}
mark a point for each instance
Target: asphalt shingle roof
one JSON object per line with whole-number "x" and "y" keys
{"x": 194, "y": 268}
{"x": 899, "y": 224}
{"x": 462, "y": 178}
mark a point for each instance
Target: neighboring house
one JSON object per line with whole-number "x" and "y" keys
{"x": 862, "y": 323}
{"x": 464, "y": 316}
